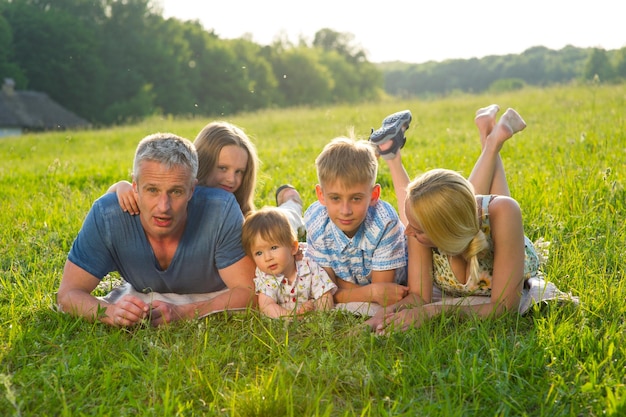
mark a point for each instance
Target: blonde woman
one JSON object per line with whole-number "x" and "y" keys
{"x": 466, "y": 242}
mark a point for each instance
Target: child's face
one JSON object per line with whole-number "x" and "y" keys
{"x": 347, "y": 206}
{"x": 230, "y": 168}
{"x": 274, "y": 258}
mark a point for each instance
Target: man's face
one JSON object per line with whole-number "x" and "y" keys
{"x": 162, "y": 195}
{"x": 347, "y": 206}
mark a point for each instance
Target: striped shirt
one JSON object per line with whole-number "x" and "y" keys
{"x": 378, "y": 245}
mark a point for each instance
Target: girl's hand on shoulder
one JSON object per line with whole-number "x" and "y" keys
{"x": 126, "y": 197}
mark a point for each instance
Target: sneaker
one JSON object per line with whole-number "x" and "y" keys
{"x": 393, "y": 129}
{"x": 287, "y": 192}
{"x": 392, "y": 124}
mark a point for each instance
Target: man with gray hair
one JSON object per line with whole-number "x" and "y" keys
{"x": 181, "y": 256}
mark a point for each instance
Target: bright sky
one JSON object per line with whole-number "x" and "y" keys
{"x": 417, "y": 31}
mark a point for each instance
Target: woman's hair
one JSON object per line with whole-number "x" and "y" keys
{"x": 444, "y": 204}
{"x": 271, "y": 224}
{"x": 209, "y": 144}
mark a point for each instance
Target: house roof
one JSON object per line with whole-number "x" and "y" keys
{"x": 34, "y": 111}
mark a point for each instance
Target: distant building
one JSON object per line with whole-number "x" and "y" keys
{"x": 22, "y": 111}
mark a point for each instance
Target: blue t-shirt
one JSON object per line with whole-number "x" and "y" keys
{"x": 378, "y": 245}
{"x": 112, "y": 240}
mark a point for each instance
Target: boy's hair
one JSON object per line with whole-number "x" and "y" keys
{"x": 209, "y": 143}
{"x": 353, "y": 162}
{"x": 271, "y": 224}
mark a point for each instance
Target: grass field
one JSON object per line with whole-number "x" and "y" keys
{"x": 567, "y": 170}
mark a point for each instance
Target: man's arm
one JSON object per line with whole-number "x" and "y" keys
{"x": 239, "y": 280}
{"x": 74, "y": 297}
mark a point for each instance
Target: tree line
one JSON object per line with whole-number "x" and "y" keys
{"x": 537, "y": 66}
{"x": 113, "y": 61}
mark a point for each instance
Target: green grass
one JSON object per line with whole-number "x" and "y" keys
{"x": 566, "y": 170}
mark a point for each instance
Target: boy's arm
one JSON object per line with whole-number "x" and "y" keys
{"x": 346, "y": 291}
{"x": 383, "y": 292}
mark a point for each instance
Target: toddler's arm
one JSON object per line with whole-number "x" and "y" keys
{"x": 269, "y": 307}
{"x": 325, "y": 302}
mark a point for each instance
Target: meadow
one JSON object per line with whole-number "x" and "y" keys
{"x": 567, "y": 170}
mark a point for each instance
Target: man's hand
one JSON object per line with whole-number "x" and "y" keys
{"x": 126, "y": 312}
{"x": 163, "y": 312}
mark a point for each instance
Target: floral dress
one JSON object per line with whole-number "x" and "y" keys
{"x": 445, "y": 279}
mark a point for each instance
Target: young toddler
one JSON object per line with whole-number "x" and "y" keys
{"x": 285, "y": 284}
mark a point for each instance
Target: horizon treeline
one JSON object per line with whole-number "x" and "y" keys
{"x": 537, "y": 66}
{"x": 113, "y": 61}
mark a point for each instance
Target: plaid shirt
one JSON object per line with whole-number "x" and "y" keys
{"x": 378, "y": 245}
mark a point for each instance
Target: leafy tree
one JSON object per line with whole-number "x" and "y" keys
{"x": 506, "y": 84}
{"x": 345, "y": 85}
{"x": 369, "y": 80}
{"x": 261, "y": 90}
{"x": 166, "y": 53}
{"x": 8, "y": 67}
{"x": 219, "y": 78}
{"x": 133, "y": 109}
{"x": 127, "y": 50}
{"x": 598, "y": 64}
{"x": 55, "y": 51}
{"x": 117, "y": 60}
{"x": 302, "y": 78}
{"x": 354, "y": 77}
{"x": 342, "y": 43}
{"x": 620, "y": 64}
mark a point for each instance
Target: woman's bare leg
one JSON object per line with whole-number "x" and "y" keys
{"x": 488, "y": 176}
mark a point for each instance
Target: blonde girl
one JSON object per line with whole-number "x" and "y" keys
{"x": 466, "y": 242}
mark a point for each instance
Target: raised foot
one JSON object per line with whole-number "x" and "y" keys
{"x": 490, "y": 110}
{"x": 513, "y": 121}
